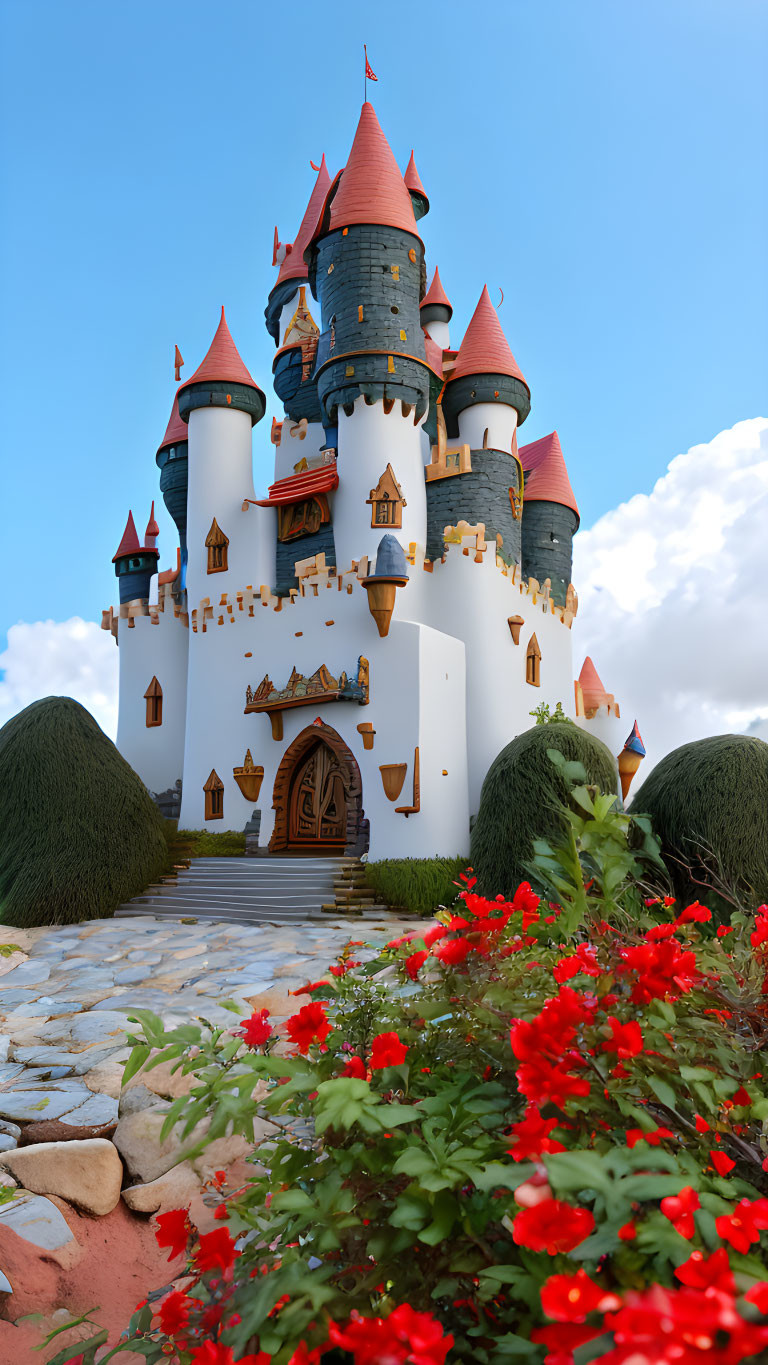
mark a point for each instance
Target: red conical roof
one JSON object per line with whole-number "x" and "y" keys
{"x": 592, "y": 688}
{"x": 372, "y": 190}
{"x": 436, "y": 294}
{"x": 222, "y": 361}
{"x": 294, "y": 266}
{"x": 176, "y": 429}
{"x": 413, "y": 180}
{"x": 130, "y": 543}
{"x": 152, "y": 527}
{"x": 485, "y": 349}
{"x": 547, "y": 479}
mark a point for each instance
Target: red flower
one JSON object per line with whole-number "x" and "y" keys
{"x": 215, "y": 1251}
{"x": 174, "y": 1313}
{"x": 662, "y": 970}
{"x": 627, "y": 1232}
{"x": 723, "y": 930}
{"x": 432, "y": 935}
{"x": 414, "y": 962}
{"x": 695, "y": 913}
{"x": 212, "y": 1353}
{"x": 173, "y": 1231}
{"x": 741, "y": 1097}
{"x": 303, "y": 1356}
{"x": 570, "y": 1298}
{"x": 701, "y": 1124}
{"x": 309, "y": 1024}
{"x": 341, "y": 968}
{"x": 743, "y": 1227}
{"x": 552, "y": 1226}
{"x": 256, "y": 1030}
{"x": 540, "y": 1080}
{"x": 721, "y": 1162}
{"x": 404, "y": 1336}
{"x": 653, "y": 1138}
{"x": 626, "y": 1040}
{"x": 387, "y": 1050}
{"x": 760, "y": 932}
{"x": 453, "y": 951}
{"x": 562, "y": 1339}
{"x": 708, "y": 1272}
{"x": 583, "y": 960}
{"x": 758, "y": 1295}
{"x": 532, "y": 1136}
{"x": 355, "y": 1067}
{"x": 662, "y": 1326}
{"x": 679, "y": 1209}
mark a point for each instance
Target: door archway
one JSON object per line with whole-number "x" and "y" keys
{"x": 318, "y": 796}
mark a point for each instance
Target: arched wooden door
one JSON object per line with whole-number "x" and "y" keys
{"x": 317, "y": 803}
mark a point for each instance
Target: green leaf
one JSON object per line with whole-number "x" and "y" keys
{"x": 85, "y": 1348}
{"x": 663, "y": 1092}
{"x": 135, "y": 1062}
{"x": 578, "y": 1170}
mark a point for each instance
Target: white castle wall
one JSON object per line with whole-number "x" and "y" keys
{"x": 150, "y": 650}
{"x": 369, "y": 440}
{"x": 295, "y": 446}
{"x": 439, "y": 332}
{"x": 499, "y": 419}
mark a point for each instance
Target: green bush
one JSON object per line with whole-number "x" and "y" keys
{"x": 708, "y": 802}
{"x": 81, "y": 833}
{"x": 418, "y": 885}
{"x": 522, "y": 798}
{"x": 204, "y": 843}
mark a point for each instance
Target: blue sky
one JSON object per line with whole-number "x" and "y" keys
{"x": 603, "y": 163}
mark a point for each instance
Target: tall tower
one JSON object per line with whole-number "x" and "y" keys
{"x": 173, "y": 463}
{"x": 366, "y": 264}
{"x": 135, "y": 563}
{"x": 219, "y": 403}
{"x": 436, "y": 312}
{"x": 550, "y": 517}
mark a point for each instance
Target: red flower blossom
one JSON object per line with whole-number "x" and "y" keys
{"x": 666, "y": 1326}
{"x": 355, "y": 1067}
{"x": 701, "y": 1124}
{"x": 215, "y": 1251}
{"x": 741, "y": 1097}
{"x": 432, "y": 935}
{"x": 552, "y": 1226}
{"x": 256, "y": 1030}
{"x": 583, "y": 960}
{"x": 532, "y": 1138}
{"x": 708, "y": 1272}
{"x": 759, "y": 934}
{"x": 540, "y": 1080}
{"x": 387, "y": 1050}
{"x": 679, "y": 1209}
{"x": 414, "y": 962}
{"x": 562, "y": 1339}
{"x": 722, "y": 1163}
{"x": 723, "y": 930}
{"x": 626, "y": 1039}
{"x": 743, "y": 1227}
{"x": 653, "y": 1138}
{"x": 663, "y": 971}
{"x": 570, "y": 1298}
{"x": 695, "y": 913}
{"x": 174, "y": 1312}
{"x": 758, "y": 1295}
{"x": 453, "y": 951}
{"x": 404, "y": 1336}
{"x": 303, "y": 1356}
{"x": 173, "y": 1231}
{"x": 341, "y": 968}
{"x": 627, "y": 1232}
{"x": 309, "y": 1024}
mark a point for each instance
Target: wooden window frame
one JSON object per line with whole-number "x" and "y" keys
{"x": 154, "y": 700}
{"x": 214, "y": 797}
{"x": 217, "y": 545}
{"x": 533, "y": 663}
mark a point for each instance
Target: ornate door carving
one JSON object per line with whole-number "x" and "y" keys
{"x": 317, "y": 805}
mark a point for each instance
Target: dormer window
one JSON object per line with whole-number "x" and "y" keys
{"x": 533, "y": 663}
{"x": 216, "y": 543}
{"x": 154, "y": 700}
{"x": 214, "y": 797}
{"x": 387, "y": 501}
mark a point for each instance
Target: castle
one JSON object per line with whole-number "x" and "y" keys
{"x": 335, "y": 663}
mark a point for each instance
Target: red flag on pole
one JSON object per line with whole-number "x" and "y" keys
{"x": 369, "y": 75}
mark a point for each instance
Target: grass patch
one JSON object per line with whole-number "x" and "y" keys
{"x": 418, "y": 885}
{"x": 203, "y": 843}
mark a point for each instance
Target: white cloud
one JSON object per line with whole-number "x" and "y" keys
{"x": 72, "y": 658}
{"x": 673, "y": 601}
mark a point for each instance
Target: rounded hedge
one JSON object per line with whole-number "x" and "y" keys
{"x": 708, "y": 801}
{"x": 80, "y": 832}
{"x": 521, "y": 801}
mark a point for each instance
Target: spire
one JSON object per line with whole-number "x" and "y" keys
{"x": 176, "y": 429}
{"x": 152, "y": 531}
{"x": 485, "y": 349}
{"x": 547, "y": 479}
{"x": 372, "y": 190}
{"x": 130, "y": 543}
{"x": 436, "y": 296}
{"x": 222, "y": 361}
{"x": 592, "y": 688}
{"x": 294, "y": 266}
{"x": 634, "y": 742}
{"x": 419, "y": 196}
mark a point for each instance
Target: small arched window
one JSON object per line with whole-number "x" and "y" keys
{"x": 214, "y": 797}
{"x": 154, "y": 699}
{"x": 216, "y": 544}
{"x": 533, "y": 663}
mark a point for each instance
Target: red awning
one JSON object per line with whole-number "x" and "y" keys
{"x": 297, "y": 487}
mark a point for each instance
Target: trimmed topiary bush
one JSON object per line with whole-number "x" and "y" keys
{"x": 521, "y": 800}
{"x": 708, "y": 802}
{"x": 80, "y": 832}
{"x": 419, "y": 885}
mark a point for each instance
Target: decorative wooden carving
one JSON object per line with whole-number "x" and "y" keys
{"x": 249, "y": 778}
{"x": 303, "y": 331}
{"x": 515, "y": 624}
{"x": 216, "y": 544}
{"x": 367, "y": 731}
{"x": 318, "y": 792}
{"x": 154, "y": 698}
{"x": 214, "y": 797}
{"x": 386, "y": 501}
{"x": 392, "y": 779}
{"x": 301, "y": 691}
{"x": 296, "y": 519}
{"x": 533, "y": 663}
{"x": 416, "y": 802}
{"x": 447, "y": 462}
{"x": 516, "y": 503}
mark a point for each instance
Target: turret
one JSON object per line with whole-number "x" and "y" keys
{"x": 486, "y": 396}
{"x": 135, "y": 563}
{"x": 172, "y": 461}
{"x": 550, "y": 515}
{"x": 436, "y": 312}
{"x": 220, "y": 403}
{"x": 416, "y": 190}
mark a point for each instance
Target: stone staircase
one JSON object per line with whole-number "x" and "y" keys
{"x": 271, "y": 890}
{"x": 352, "y": 894}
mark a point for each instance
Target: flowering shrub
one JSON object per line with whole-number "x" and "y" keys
{"x": 536, "y": 1131}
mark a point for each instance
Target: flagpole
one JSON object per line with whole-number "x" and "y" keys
{"x": 365, "y": 74}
